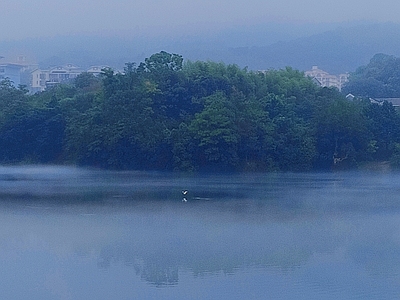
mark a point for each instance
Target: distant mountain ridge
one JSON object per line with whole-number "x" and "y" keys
{"x": 259, "y": 48}
{"x": 336, "y": 51}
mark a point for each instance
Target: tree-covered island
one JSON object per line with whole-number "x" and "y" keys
{"x": 167, "y": 114}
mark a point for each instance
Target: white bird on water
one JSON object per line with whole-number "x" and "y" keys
{"x": 184, "y": 192}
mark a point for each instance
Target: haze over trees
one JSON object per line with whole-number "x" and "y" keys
{"x": 167, "y": 114}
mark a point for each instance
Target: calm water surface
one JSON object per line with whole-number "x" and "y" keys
{"x": 69, "y": 233}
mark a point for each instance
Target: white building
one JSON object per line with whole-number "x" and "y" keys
{"x": 327, "y": 80}
{"x": 12, "y": 72}
{"x": 96, "y": 70}
{"x": 15, "y": 69}
{"x": 42, "y": 79}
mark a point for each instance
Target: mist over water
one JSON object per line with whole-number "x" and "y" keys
{"x": 71, "y": 233}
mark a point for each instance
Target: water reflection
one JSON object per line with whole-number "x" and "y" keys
{"x": 72, "y": 233}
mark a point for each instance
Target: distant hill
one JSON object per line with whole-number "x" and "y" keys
{"x": 85, "y": 50}
{"x": 335, "y": 48}
{"x": 336, "y": 51}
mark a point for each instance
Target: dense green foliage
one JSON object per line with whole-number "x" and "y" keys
{"x": 166, "y": 114}
{"x": 379, "y": 79}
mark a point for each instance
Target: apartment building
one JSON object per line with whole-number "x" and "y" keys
{"x": 14, "y": 69}
{"x": 42, "y": 79}
{"x": 327, "y": 80}
{"x": 11, "y": 71}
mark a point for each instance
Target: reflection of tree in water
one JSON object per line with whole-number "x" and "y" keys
{"x": 278, "y": 228}
{"x": 157, "y": 274}
{"x": 162, "y": 268}
{"x": 154, "y": 271}
{"x": 379, "y": 254}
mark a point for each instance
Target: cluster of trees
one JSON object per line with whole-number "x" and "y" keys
{"x": 379, "y": 79}
{"x": 167, "y": 114}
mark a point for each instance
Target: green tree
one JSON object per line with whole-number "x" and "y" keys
{"x": 342, "y": 135}
{"x": 216, "y": 134}
{"x": 384, "y": 125}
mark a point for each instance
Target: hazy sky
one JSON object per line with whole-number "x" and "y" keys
{"x": 27, "y": 18}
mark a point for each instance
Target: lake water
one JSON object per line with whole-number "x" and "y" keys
{"x": 70, "y": 233}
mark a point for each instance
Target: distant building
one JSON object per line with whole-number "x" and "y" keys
{"x": 20, "y": 71}
{"x": 96, "y": 70}
{"x": 11, "y": 71}
{"x": 42, "y": 79}
{"x": 395, "y": 101}
{"x": 327, "y": 80}
{"x": 15, "y": 70}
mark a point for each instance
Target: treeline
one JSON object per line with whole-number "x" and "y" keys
{"x": 379, "y": 79}
{"x": 167, "y": 114}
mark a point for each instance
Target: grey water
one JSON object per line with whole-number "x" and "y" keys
{"x": 71, "y": 233}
